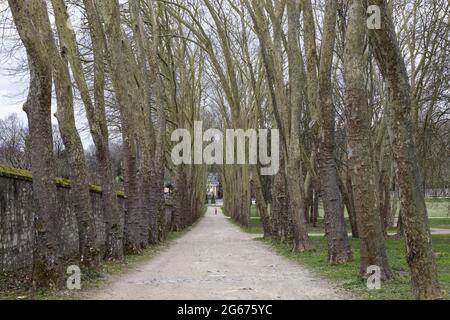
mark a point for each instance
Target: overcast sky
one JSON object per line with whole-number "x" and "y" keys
{"x": 14, "y": 87}
{"x": 13, "y": 93}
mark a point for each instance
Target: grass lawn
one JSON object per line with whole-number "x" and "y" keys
{"x": 345, "y": 276}
{"x": 438, "y": 207}
{"x": 440, "y": 223}
{"x": 438, "y": 212}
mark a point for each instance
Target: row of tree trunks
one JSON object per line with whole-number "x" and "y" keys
{"x": 183, "y": 93}
{"x": 188, "y": 196}
{"x": 179, "y": 197}
{"x": 149, "y": 52}
{"x": 127, "y": 76}
{"x": 96, "y": 115}
{"x": 136, "y": 80}
{"x": 80, "y": 191}
{"x": 321, "y": 108}
{"x": 89, "y": 252}
{"x": 96, "y": 119}
{"x": 261, "y": 203}
{"x": 286, "y": 108}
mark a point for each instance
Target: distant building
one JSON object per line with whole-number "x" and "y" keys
{"x": 213, "y": 185}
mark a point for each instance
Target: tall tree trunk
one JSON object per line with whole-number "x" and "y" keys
{"x": 420, "y": 256}
{"x": 79, "y": 190}
{"x": 295, "y": 174}
{"x": 297, "y": 207}
{"x": 385, "y": 200}
{"x": 47, "y": 263}
{"x": 315, "y": 209}
{"x": 179, "y": 197}
{"x": 89, "y": 251}
{"x": 278, "y": 203}
{"x": 400, "y": 227}
{"x": 100, "y": 134}
{"x": 122, "y": 69}
{"x": 349, "y": 202}
{"x": 146, "y": 145}
{"x": 361, "y": 169}
{"x": 338, "y": 245}
{"x": 261, "y": 203}
{"x": 286, "y": 110}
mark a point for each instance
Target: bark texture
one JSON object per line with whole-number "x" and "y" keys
{"x": 361, "y": 169}
{"x": 47, "y": 264}
{"x": 420, "y": 256}
{"x": 338, "y": 245}
{"x": 130, "y": 98}
{"x": 89, "y": 251}
{"x": 96, "y": 115}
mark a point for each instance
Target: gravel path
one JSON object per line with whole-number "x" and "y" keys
{"x": 438, "y": 231}
{"x": 216, "y": 260}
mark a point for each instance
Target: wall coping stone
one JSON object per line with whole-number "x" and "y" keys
{"x": 26, "y": 175}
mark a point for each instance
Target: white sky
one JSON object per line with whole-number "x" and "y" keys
{"x": 14, "y": 88}
{"x": 13, "y": 92}
{"x": 12, "y": 95}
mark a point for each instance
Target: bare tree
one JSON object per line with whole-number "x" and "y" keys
{"x": 420, "y": 254}
{"x": 14, "y": 142}
{"x": 338, "y": 244}
{"x": 47, "y": 265}
{"x": 96, "y": 113}
{"x": 370, "y": 233}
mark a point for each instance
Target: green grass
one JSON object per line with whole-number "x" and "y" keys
{"x": 255, "y": 226}
{"x": 438, "y": 207}
{"x": 438, "y": 212}
{"x": 440, "y": 223}
{"x": 345, "y": 276}
{"x": 254, "y": 212}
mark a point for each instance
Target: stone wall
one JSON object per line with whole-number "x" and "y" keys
{"x": 16, "y": 220}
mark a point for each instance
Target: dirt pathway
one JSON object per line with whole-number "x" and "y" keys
{"x": 216, "y": 260}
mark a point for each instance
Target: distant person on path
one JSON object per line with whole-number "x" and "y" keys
{"x": 216, "y": 211}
